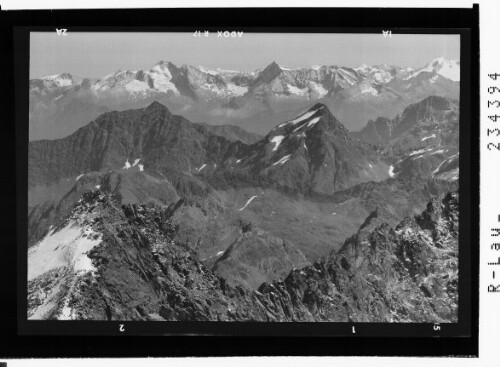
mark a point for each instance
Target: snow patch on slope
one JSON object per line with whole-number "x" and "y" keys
{"x": 313, "y": 121}
{"x": 236, "y": 90}
{"x": 318, "y": 88}
{"x": 368, "y": 89}
{"x": 66, "y": 247}
{"x": 420, "y": 151}
{"x": 428, "y": 137}
{"x": 136, "y": 86}
{"x": 297, "y": 91}
{"x": 283, "y": 160}
{"x": 248, "y": 202}
{"x": 309, "y": 124}
{"x": 277, "y": 141}
{"x": 302, "y": 117}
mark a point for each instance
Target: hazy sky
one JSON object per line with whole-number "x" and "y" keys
{"x": 99, "y": 54}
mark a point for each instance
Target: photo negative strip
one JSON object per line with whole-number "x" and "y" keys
{"x": 278, "y": 181}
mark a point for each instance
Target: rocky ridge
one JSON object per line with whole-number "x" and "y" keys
{"x": 138, "y": 272}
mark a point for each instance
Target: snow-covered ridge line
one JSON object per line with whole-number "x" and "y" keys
{"x": 232, "y": 83}
{"x": 162, "y": 65}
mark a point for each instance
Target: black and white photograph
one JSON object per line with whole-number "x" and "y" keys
{"x": 243, "y": 177}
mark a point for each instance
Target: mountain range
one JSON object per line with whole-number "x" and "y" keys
{"x": 255, "y": 100}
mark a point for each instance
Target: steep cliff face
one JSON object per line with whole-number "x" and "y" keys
{"x": 104, "y": 261}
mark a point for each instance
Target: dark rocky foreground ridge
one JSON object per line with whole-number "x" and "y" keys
{"x": 139, "y": 272}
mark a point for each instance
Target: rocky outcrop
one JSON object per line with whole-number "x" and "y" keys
{"x": 418, "y": 118}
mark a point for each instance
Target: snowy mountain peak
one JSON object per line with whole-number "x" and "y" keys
{"x": 449, "y": 69}
{"x": 438, "y": 61}
{"x": 363, "y": 68}
{"x": 208, "y": 71}
{"x": 58, "y": 76}
{"x": 162, "y": 65}
{"x": 59, "y": 80}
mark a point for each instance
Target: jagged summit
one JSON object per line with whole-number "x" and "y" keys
{"x": 269, "y": 73}
{"x": 273, "y": 64}
{"x": 318, "y": 105}
{"x": 322, "y": 111}
{"x": 163, "y": 62}
{"x": 157, "y": 106}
